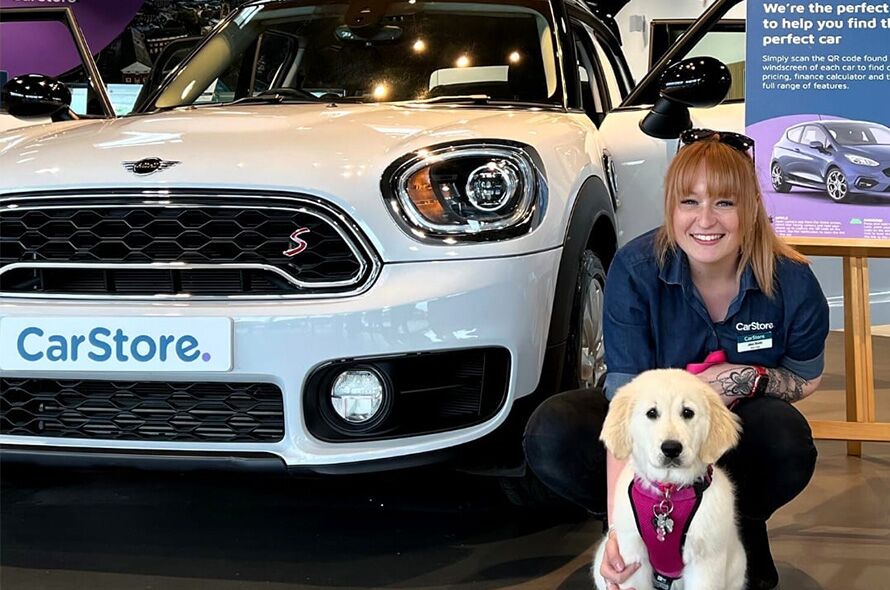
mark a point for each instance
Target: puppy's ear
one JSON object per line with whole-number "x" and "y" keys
{"x": 616, "y": 428}
{"x": 724, "y": 432}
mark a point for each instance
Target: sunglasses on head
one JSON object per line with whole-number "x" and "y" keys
{"x": 743, "y": 143}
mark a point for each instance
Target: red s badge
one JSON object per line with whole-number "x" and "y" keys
{"x": 300, "y": 244}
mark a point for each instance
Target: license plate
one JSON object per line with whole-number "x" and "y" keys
{"x": 182, "y": 344}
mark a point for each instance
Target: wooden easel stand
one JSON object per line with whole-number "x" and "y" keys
{"x": 861, "y": 424}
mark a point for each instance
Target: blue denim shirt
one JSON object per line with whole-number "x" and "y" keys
{"x": 655, "y": 318}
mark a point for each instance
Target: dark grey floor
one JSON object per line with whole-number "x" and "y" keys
{"x": 418, "y": 530}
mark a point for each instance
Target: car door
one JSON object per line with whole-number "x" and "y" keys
{"x": 603, "y": 80}
{"x": 812, "y": 162}
{"x": 27, "y": 26}
{"x": 641, "y": 161}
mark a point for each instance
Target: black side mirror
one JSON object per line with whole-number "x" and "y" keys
{"x": 818, "y": 145}
{"x": 700, "y": 82}
{"x": 34, "y": 95}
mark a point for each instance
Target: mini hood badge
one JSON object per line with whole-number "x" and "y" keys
{"x": 147, "y": 166}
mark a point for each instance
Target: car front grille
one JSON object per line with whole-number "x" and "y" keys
{"x": 186, "y": 243}
{"x": 143, "y": 411}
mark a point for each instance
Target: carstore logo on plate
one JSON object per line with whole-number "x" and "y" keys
{"x": 116, "y": 344}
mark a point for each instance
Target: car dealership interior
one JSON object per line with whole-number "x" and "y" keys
{"x": 372, "y": 294}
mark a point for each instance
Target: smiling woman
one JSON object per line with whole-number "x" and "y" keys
{"x": 715, "y": 291}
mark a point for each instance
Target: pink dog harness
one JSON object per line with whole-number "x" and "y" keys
{"x": 663, "y": 513}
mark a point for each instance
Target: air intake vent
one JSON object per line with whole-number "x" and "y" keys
{"x": 142, "y": 410}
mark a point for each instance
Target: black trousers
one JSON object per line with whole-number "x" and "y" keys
{"x": 772, "y": 464}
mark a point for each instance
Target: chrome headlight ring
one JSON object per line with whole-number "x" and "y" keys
{"x": 472, "y": 191}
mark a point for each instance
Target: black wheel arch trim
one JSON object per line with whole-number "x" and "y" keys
{"x": 592, "y": 207}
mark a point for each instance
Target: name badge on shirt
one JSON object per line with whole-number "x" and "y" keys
{"x": 756, "y": 341}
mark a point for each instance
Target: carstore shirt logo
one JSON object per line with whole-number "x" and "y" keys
{"x": 101, "y": 345}
{"x": 753, "y": 326}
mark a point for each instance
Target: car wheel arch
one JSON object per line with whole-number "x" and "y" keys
{"x": 591, "y": 226}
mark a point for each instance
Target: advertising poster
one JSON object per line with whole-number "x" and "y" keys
{"x": 818, "y": 107}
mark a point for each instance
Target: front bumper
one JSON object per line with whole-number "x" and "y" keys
{"x": 868, "y": 180}
{"x": 412, "y": 307}
{"x": 871, "y": 185}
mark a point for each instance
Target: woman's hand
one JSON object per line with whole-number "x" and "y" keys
{"x": 735, "y": 382}
{"x": 612, "y": 569}
{"x": 732, "y": 382}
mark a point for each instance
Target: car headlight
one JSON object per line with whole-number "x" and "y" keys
{"x": 861, "y": 160}
{"x": 469, "y": 191}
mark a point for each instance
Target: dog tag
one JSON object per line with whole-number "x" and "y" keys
{"x": 663, "y": 524}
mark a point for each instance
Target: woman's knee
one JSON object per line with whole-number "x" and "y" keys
{"x": 564, "y": 431}
{"x": 776, "y": 452}
{"x": 777, "y": 431}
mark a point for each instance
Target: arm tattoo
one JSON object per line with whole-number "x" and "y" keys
{"x": 783, "y": 384}
{"x": 735, "y": 382}
{"x": 786, "y": 385}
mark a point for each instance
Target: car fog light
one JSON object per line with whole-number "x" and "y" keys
{"x": 866, "y": 182}
{"x": 357, "y": 395}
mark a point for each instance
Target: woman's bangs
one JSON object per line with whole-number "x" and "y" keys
{"x": 717, "y": 163}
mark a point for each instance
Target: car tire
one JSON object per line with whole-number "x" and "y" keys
{"x": 836, "y": 184}
{"x": 777, "y": 176}
{"x": 584, "y": 368}
{"x": 585, "y": 358}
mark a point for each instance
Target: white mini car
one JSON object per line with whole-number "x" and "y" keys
{"x": 333, "y": 240}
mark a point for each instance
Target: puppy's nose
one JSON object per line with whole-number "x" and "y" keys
{"x": 671, "y": 448}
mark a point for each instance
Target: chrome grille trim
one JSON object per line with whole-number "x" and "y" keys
{"x": 358, "y": 245}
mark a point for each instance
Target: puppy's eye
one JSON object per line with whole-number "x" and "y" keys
{"x": 652, "y": 414}
{"x": 687, "y": 413}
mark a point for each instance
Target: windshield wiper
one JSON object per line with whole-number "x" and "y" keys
{"x": 268, "y": 99}
{"x": 462, "y": 99}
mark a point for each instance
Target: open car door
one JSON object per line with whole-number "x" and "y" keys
{"x": 640, "y": 160}
{"x": 31, "y": 98}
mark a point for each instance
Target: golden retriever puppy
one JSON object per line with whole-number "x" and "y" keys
{"x": 674, "y": 509}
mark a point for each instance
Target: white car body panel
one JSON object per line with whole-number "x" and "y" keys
{"x": 9, "y": 122}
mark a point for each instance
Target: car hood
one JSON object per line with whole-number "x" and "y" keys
{"x": 290, "y": 146}
{"x": 875, "y": 152}
{"x": 338, "y": 153}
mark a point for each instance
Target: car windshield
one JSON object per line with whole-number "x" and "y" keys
{"x": 377, "y": 52}
{"x": 859, "y": 134}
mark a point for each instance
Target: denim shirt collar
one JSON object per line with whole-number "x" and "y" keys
{"x": 675, "y": 271}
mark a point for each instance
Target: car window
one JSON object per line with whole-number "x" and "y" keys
{"x": 66, "y": 68}
{"x": 712, "y": 34}
{"x": 594, "y": 95}
{"x": 617, "y": 91}
{"x": 272, "y": 59}
{"x": 303, "y": 50}
{"x": 729, "y": 47}
{"x": 794, "y": 134}
{"x": 812, "y": 133}
{"x": 854, "y": 133}
{"x": 23, "y": 51}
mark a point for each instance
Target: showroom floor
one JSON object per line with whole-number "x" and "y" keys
{"x": 415, "y": 530}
